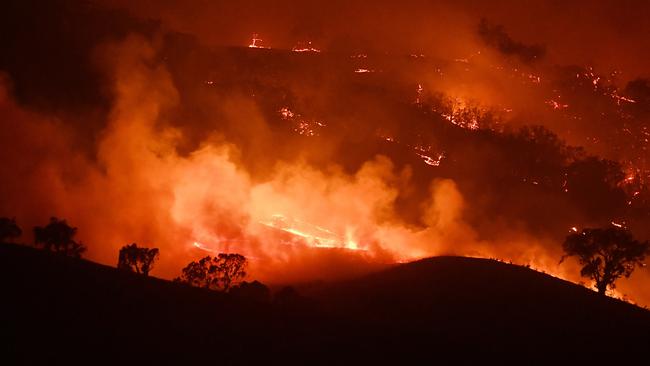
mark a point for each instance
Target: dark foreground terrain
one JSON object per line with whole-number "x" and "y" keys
{"x": 58, "y": 310}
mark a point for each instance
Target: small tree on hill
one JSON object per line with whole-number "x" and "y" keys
{"x": 201, "y": 273}
{"x": 57, "y": 237}
{"x": 217, "y": 273}
{"x": 606, "y": 254}
{"x": 135, "y": 259}
{"x": 9, "y": 230}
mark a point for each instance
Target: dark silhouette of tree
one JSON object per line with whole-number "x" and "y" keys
{"x": 199, "y": 273}
{"x": 255, "y": 291}
{"x": 9, "y": 230}
{"x": 216, "y": 273}
{"x": 606, "y": 254}
{"x": 594, "y": 185}
{"x": 232, "y": 268}
{"x": 537, "y": 154}
{"x": 57, "y": 237}
{"x": 135, "y": 259}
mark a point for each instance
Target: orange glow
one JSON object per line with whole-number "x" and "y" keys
{"x": 387, "y": 143}
{"x": 461, "y": 114}
{"x": 312, "y": 235}
{"x": 557, "y": 105}
{"x": 256, "y": 42}
{"x": 305, "y": 47}
{"x": 301, "y": 125}
{"x": 431, "y": 161}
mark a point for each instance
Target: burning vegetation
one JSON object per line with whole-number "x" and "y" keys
{"x": 325, "y": 156}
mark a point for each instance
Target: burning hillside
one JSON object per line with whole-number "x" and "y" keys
{"x": 320, "y": 153}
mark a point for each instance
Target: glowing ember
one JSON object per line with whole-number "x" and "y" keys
{"x": 303, "y": 126}
{"x": 256, "y": 42}
{"x": 591, "y": 76}
{"x": 305, "y": 47}
{"x": 201, "y": 246}
{"x": 620, "y": 99}
{"x": 557, "y": 105}
{"x": 534, "y": 78}
{"x": 430, "y": 160}
{"x": 419, "y": 90}
{"x": 286, "y": 113}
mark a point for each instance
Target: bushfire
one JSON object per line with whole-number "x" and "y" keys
{"x": 384, "y": 146}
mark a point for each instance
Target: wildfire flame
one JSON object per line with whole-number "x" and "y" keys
{"x": 312, "y": 235}
{"x": 256, "y": 42}
{"x": 225, "y": 192}
{"x": 305, "y": 47}
{"x": 302, "y": 126}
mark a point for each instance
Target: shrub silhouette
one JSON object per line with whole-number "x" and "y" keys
{"x": 135, "y": 259}
{"x": 216, "y": 273}
{"x": 57, "y": 237}
{"x": 605, "y": 254}
{"x": 9, "y": 230}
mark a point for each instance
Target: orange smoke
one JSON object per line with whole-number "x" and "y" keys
{"x": 296, "y": 222}
{"x": 139, "y": 189}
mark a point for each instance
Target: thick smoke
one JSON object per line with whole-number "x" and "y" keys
{"x": 140, "y": 189}
{"x": 198, "y": 162}
{"x": 496, "y": 36}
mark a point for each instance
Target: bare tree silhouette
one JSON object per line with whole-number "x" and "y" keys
{"x": 57, "y": 236}
{"x": 135, "y": 259}
{"x": 606, "y": 254}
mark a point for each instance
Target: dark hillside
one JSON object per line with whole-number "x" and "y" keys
{"x": 56, "y": 309}
{"x": 480, "y": 306}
